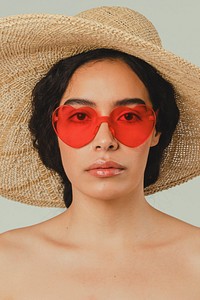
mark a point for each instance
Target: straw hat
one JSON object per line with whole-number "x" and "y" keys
{"x": 31, "y": 44}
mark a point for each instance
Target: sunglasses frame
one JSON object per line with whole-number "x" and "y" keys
{"x": 113, "y": 124}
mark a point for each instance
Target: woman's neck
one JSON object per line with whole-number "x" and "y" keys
{"x": 109, "y": 222}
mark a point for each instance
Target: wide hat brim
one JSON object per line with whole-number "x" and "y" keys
{"x": 31, "y": 44}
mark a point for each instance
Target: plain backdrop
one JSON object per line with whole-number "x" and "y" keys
{"x": 178, "y": 24}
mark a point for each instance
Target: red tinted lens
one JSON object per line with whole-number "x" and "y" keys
{"x": 78, "y": 127}
{"x": 75, "y": 127}
{"x": 132, "y": 126}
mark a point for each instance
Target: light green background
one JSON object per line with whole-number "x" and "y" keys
{"x": 178, "y": 23}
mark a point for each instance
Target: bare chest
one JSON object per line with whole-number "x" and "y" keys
{"x": 90, "y": 279}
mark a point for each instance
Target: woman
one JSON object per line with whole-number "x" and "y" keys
{"x": 102, "y": 118}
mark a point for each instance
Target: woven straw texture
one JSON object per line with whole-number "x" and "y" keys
{"x": 31, "y": 44}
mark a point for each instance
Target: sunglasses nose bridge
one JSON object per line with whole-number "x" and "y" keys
{"x": 106, "y": 119}
{"x": 103, "y": 119}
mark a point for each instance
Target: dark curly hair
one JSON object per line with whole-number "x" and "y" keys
{"x": 49, "y": 90}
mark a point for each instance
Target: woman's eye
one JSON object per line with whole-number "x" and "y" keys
{"x": 129, "y": 116}
{"x": 79, "y": 117}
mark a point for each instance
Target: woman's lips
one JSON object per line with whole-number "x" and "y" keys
{"x": 105, "y": 169}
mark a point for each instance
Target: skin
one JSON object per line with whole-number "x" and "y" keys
{"x": 110, "y": 243}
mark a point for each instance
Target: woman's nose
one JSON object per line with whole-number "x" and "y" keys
{"x": 104, "y": 140}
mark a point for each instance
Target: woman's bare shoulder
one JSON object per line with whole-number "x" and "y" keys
{"x": 183, "y": 237}
{"x": 191, "y": 238}
{"x": 21, "y": 239}
{"x": 12, "y": 249}
{"x": 14, "y": 244}
{"x": 18, "y": 251}
{"x": 189, "y": 252}
{"x": 179, "y": 228}
{"x": 26, "y": 241}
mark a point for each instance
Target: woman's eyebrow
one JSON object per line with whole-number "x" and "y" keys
{"x": 74, "y": 101}
{"x": 129, "y": 101}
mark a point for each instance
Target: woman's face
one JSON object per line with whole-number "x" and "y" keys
{"x": 105, "y": 168}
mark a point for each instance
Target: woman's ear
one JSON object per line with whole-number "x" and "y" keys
{"x": 155, "y": 138}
